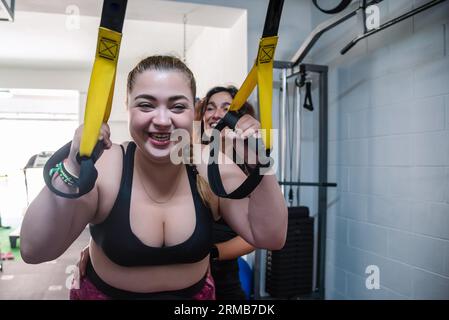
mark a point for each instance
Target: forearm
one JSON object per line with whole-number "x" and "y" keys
{"x": 51, "y": 222}
{"x": 260, "y": 219}
{"x": 267, "y": 214}
{"x": 233, "y": 248}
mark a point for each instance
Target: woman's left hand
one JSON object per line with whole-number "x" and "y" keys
{"x": 246, "y": 127}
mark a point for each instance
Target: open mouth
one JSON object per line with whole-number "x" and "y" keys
{"x": 213, "y": 124}
{"x": 162, "y": 137}
{"x": 159, "y": 139}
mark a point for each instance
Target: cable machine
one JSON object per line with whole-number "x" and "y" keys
{"x": 290, "y": 121}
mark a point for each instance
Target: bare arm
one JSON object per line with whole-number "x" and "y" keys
{"x": 260, "y": 219}
{"x": 52, "y": 223}
{"x": 233, "y": 248}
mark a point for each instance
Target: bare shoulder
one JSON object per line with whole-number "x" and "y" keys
{"x": 109, "y": 159}
{"x": 109, "y": 168}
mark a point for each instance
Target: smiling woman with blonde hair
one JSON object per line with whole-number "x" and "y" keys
{"x": 151, "y": 229}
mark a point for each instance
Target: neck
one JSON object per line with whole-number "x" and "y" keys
{"x": 162, "y": 173}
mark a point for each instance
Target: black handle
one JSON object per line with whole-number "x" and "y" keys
{"x": 229, "y": 120}
{"x": 308, "y": 103}
{"x": 96, "y": 153}
{"x": 213, "y": 173}
{"x": 88, "y": 173}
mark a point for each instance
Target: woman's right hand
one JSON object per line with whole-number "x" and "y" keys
{"x": 105, "y": 136}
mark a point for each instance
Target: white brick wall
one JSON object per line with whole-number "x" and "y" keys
{"x": 389, "y": 153}
{"x": 427, "y": 285}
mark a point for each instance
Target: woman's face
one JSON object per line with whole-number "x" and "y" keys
{"x": 159, "y": 103}
{"x": 216, "y": 109}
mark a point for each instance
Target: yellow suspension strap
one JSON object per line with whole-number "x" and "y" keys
{"x": 99, "y": 100}
{"x": 261, "y": 74}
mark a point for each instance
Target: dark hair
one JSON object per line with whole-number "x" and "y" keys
{"x": 201, "y": 106}
{"x": 200, "y": 109}
{"x": 162, "y": 63}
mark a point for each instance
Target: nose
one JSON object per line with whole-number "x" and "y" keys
{"x": 162, "y": 118}
{"x": 218, "y": 114}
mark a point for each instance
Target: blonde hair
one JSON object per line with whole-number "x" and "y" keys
{"x": 161, "y": 63}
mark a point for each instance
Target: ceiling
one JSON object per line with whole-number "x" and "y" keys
{"x": 147, "y": 10}
{"x": 39, "y": 37}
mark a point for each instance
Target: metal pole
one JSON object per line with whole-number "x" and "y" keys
{"x": 390, "y": 23}
{"x": 283, "y": 135}
{"x": 322, "y": 176}
{"x": 298, "y": 145}
{"x": 257, "y": 273}
{"x": 309, "y": 184}
{"x": 325, "y": 26}
{"x": 322, "y": 170}
{"x": 289, "y": 135}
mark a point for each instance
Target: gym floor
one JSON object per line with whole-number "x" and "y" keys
{"x": 45, "y": 281}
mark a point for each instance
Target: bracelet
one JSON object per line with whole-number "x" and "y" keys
{"x": 65, "y": 176}
{"x": 67, "y": 170}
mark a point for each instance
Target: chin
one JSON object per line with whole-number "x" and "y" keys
{"x": 158, "y": 154}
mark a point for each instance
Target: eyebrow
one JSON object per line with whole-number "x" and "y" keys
{"x": 150, "y": 97}
{"x": 215, "y": 105}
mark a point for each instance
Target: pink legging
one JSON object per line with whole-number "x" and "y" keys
{"x": 87, "y": 290}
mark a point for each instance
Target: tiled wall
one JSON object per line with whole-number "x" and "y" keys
{"x": 389, "y": 153}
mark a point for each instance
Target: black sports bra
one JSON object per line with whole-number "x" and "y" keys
{"x": 121, "y": 245}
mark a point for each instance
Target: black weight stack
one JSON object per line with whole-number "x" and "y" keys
{"x": 289, "y": 271}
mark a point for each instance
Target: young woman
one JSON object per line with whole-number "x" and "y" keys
{"x": 228, "y": 246}
{"x": 151, "y": 230}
